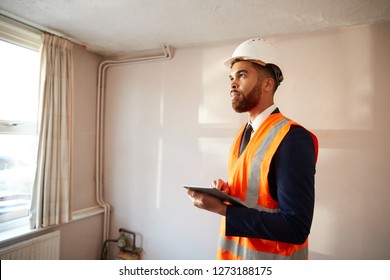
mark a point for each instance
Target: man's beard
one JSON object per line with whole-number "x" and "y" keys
{"x": 248, "y": 102}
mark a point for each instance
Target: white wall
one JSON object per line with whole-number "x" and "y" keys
{"x": 170, "y": 123}
{"x": 185, "y": 106}
{"x": 339, "y": 88}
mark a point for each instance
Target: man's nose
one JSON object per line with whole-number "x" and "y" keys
{"x": 233, "y": 84}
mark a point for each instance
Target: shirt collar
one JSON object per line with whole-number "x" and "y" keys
{"x": 261, "y": 117}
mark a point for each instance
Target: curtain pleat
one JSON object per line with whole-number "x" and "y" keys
{"x": 52, "y": 186}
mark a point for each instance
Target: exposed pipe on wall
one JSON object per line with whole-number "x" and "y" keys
{"x": 167, "y": 54}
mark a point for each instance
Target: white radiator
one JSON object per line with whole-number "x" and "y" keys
{"x": 44, "y": 247}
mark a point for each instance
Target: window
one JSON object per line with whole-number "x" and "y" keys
{"x": 19, "y": 72}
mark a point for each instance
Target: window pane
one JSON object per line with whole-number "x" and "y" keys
{"x": 19, "y": 72}
{"x": 19, "y": 69}
{"x": 17, "y": 171}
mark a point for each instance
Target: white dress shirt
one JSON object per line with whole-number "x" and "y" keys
{"x": 261, "y": 117}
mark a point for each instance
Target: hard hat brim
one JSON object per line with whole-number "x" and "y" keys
{"x": 228, "y": 63}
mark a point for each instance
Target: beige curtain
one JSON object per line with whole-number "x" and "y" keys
{"x": 52, "y": 187}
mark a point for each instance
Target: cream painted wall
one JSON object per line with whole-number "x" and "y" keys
{"x": 84, "y": 127}
{"x": 83, "y": 239}
{"x": 170, "y": 123}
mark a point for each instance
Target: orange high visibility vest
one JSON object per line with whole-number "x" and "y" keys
{"x": 248, "y": 180}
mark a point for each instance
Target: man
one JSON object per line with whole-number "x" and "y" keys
{"x": 273, "y": 175}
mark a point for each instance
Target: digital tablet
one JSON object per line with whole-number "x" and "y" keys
{"x": 217, "y": 193}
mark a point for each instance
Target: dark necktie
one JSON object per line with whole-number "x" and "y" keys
{"x": 245, "y": 137}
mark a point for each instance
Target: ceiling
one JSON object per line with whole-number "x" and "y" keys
{"x": 122, "y": 27}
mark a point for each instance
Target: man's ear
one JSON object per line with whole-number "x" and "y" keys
{"x": 268, "y": 85}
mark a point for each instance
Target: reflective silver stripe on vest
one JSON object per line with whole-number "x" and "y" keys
{"x": 252, "y": 192}
{"x": 248, "y": 254}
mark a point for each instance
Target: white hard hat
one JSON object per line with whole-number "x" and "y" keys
{"x": 259, "y": 51}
